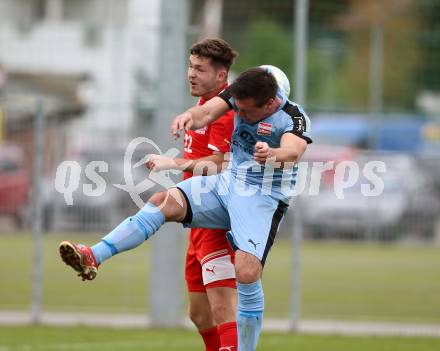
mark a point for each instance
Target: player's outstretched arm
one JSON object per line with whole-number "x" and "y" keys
{"x": 159, "y": 163}
{"x": 291, "y": 149}
{"x": 199, "y": 116}
{"x": 202, "y": 166}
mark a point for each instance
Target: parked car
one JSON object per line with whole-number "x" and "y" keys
{"x": 408, "y": 205}
{"x": 14, "y": 183}
{"x": 90, "y": 213}
{"x": 397, "y": 133}
{"x": 342, "y": 130}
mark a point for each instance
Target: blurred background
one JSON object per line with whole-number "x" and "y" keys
{"x": 80, "y": 79}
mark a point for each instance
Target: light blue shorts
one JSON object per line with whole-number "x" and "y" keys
{"x": 217, "y": 202}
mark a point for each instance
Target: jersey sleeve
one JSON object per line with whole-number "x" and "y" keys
{"x": 297, "y": 122}
{"x": 227, "y": 97}
{"x": 221, "y": 133}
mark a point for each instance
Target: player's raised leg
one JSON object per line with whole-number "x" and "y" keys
{"x": 163, "y": 206}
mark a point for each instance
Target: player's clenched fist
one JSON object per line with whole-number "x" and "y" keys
{"x": 181, "y": 122}
{"x": 262, "y": 152}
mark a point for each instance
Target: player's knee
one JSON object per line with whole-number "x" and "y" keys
{"x": 199, "y": 318}
{"x": 195, "y": 316}
{"x": 247, "y": 277}
{"x": 171, "y": 204}
{"x": 247, "y": 268}
{"x": 158, "y": 199}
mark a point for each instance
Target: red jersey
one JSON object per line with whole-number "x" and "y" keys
{"x": 214, "y": 137}
{"x": 209, "y": 247}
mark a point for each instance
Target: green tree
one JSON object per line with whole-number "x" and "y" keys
{"x": 265, "y": 42}
{"x": 428, "y": 39}
{"x": 401, "y": 54}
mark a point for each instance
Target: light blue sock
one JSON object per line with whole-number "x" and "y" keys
{"x": 250, "y": 315}
{"x": 130, "y": 233}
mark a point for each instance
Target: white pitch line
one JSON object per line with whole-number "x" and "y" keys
{"x": 277, "y": 325}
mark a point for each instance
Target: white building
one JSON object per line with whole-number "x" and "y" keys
{"x": 113, "y": 42}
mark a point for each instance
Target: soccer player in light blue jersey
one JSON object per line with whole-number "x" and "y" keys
{"x": 250, "y": 198}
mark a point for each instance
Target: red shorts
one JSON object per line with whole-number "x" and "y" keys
{"x": 209, "y": 260}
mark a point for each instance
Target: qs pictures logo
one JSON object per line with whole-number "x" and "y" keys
{"x": 69, "y": 174}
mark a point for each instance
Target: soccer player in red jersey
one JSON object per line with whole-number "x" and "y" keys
{"x": 209, "y": 271}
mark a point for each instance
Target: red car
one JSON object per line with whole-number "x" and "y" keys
{"x": 14, "y": 182}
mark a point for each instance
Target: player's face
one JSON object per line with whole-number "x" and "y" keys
{"x": 204, "y": 79}
{"x": 251, "y": 113}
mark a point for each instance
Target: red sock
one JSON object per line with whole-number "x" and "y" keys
{"x": 210, "y": 338}
{"x": 228, "y": 336}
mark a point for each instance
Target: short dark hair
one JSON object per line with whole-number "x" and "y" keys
{"x": 218, "y": 50}
{"x": 256, "y": 83}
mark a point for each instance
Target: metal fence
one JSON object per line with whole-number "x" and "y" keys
{"x": 366, "y": 220}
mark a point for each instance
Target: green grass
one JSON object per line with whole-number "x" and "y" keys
{"x": 359, "y": 281}
{"x": 351, "y": 281}
{"x": 92, "y": 339}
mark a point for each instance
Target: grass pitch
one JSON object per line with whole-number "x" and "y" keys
{"x": 93, "y": 339}
{"x": 347, "y": 281}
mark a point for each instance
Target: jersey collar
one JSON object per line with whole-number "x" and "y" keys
{"x": 202, "y": 100}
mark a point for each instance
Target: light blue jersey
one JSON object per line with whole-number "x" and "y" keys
{"x": 271, "y": 180}
{"x": 248, "y": 198}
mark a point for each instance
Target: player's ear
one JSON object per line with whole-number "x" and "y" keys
{"x": 222, "y": 75}
{"x": 270, "y": 102}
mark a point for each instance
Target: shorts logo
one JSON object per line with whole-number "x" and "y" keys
{"x": 264, "y": 128}
{"x": 253, "y": 243}
{"x": 211, "y": 270}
